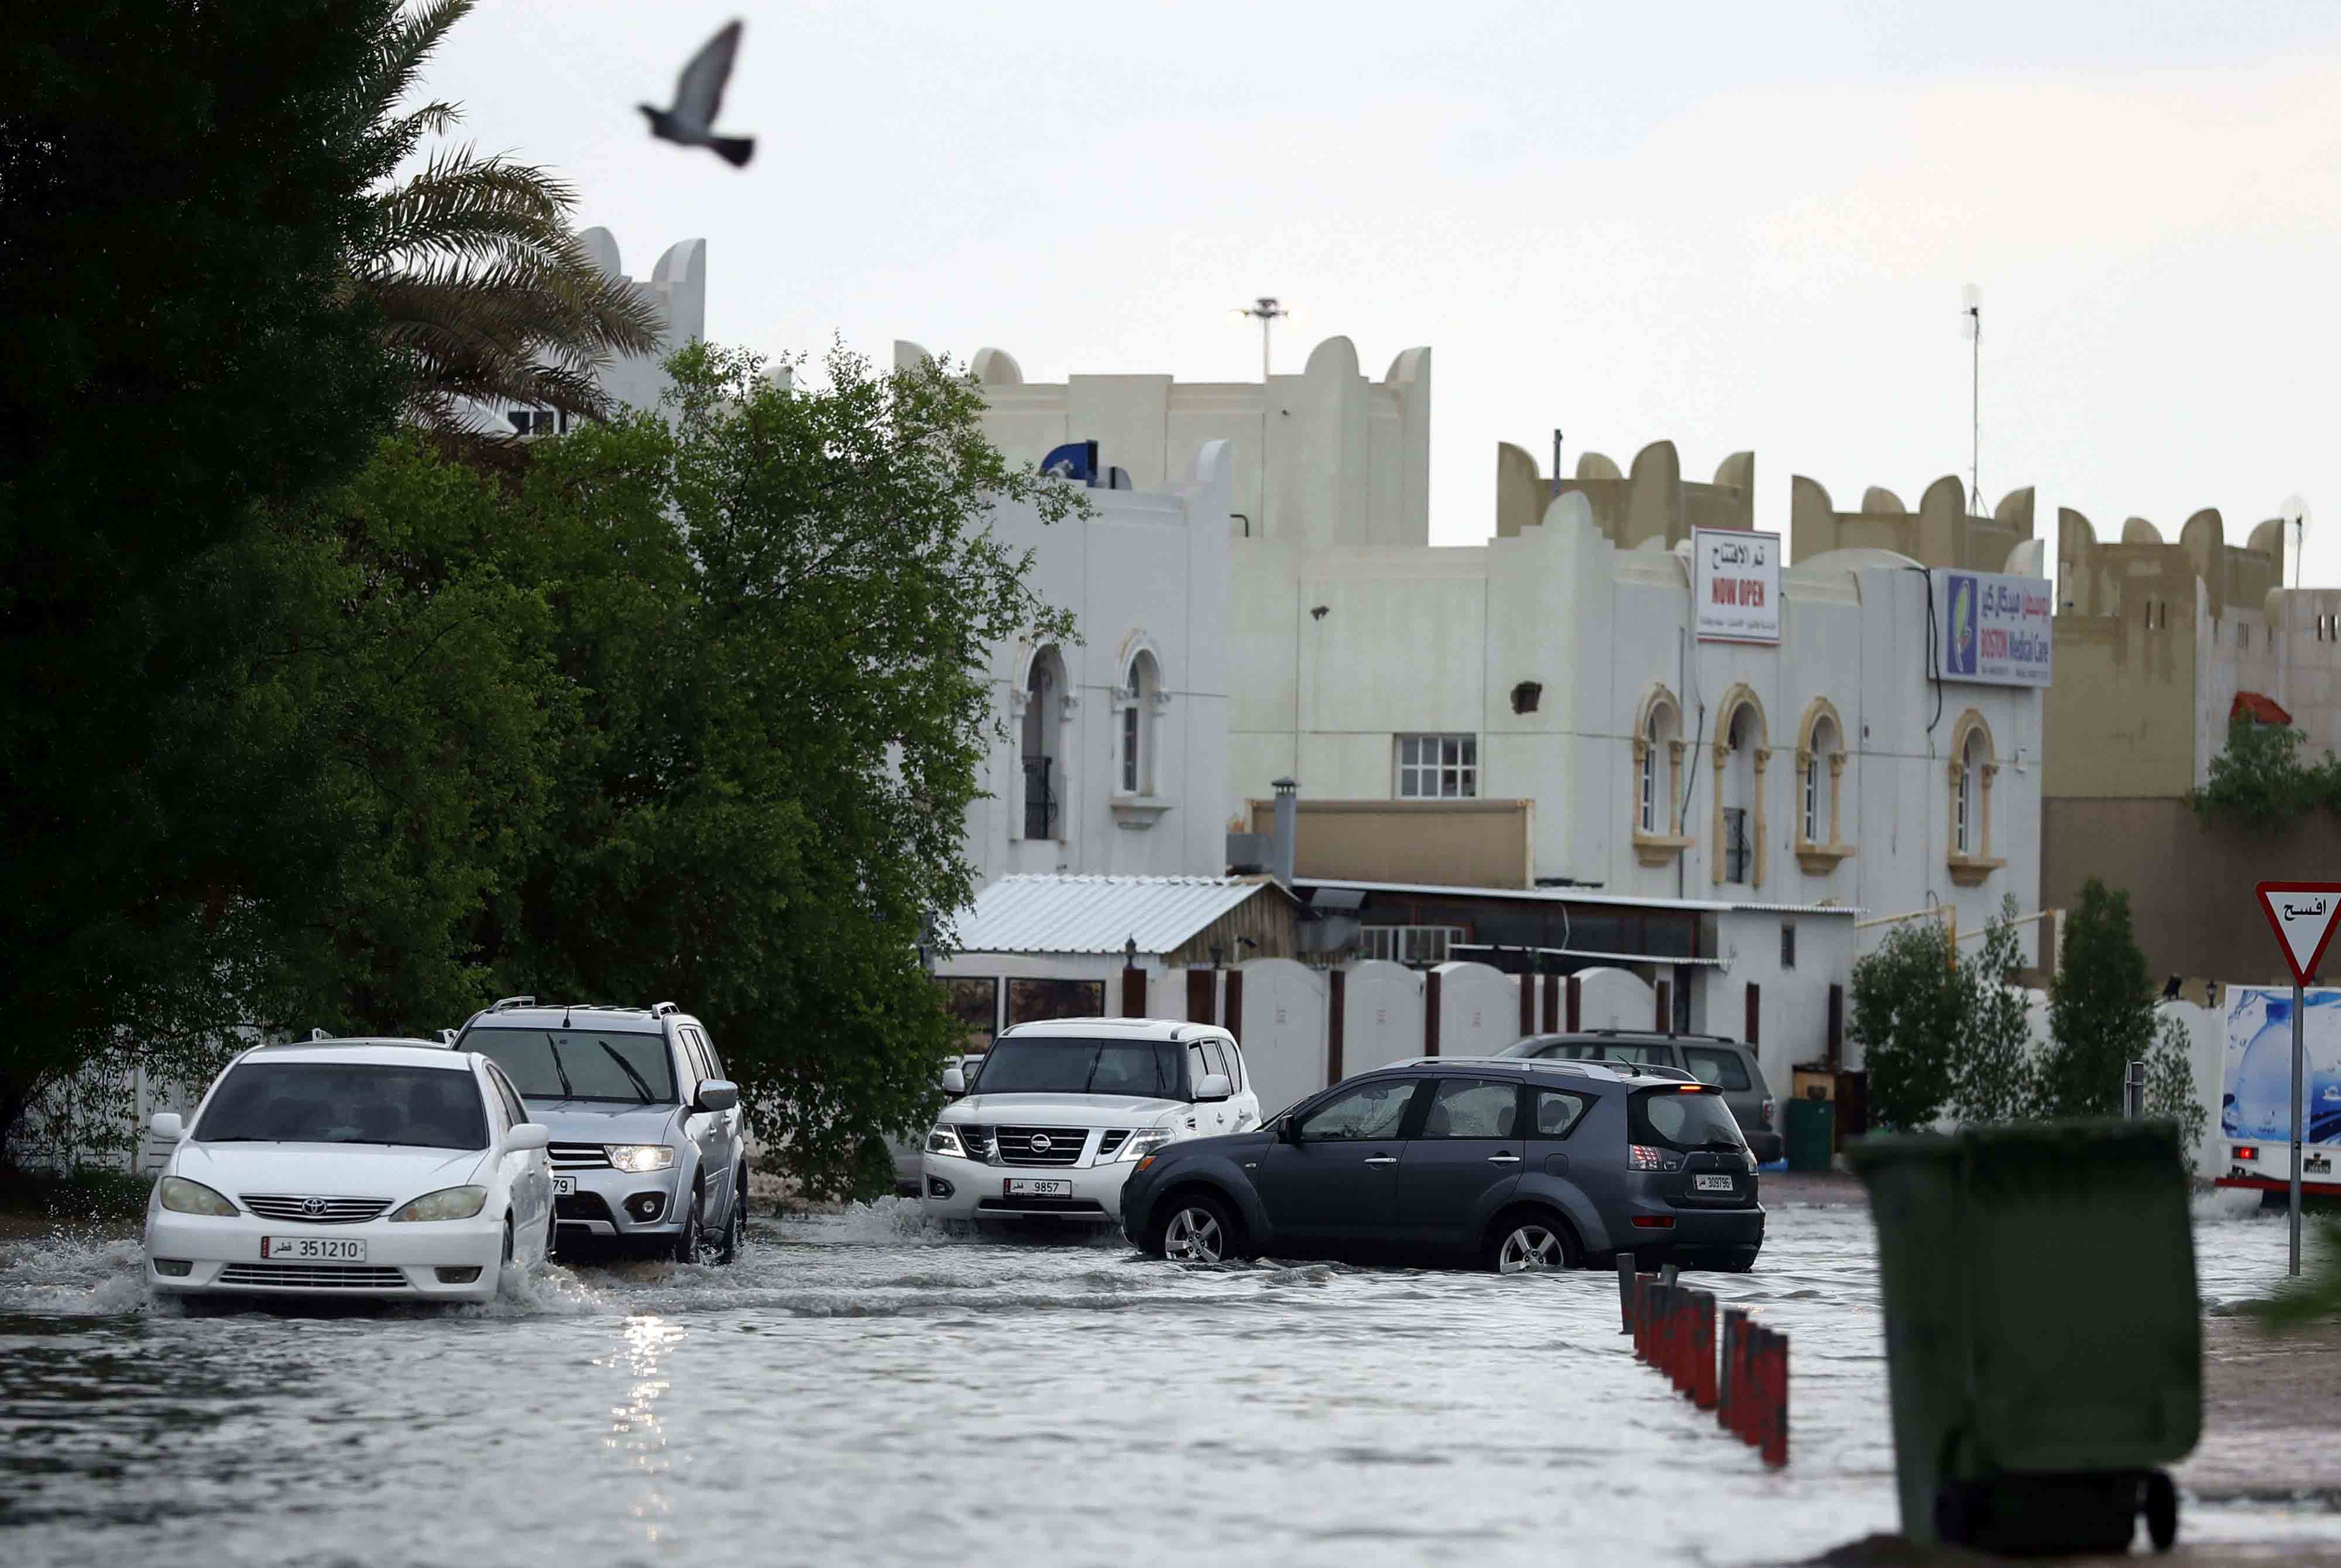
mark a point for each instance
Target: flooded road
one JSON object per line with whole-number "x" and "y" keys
{"x": 862, "y": 1389}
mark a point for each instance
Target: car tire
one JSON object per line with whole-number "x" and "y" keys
{"x": 685, "y": 1247}
{"x": 504, "y": 1270}
{"x": 728, "y": 1250}
{"x": 1528, "y": 1240}
{"x": 1196, "y": 1227}
{"x": 2161, "y": 1510}
{"x": 552, "y": 1236}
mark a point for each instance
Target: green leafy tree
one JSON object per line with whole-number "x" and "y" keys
{"x": 2100, "y": 1009}
{"x": 2260, "y": 781}
{"x": 779, "y": 610}
{"x": 181, "y": 186}
{"x": 483, "y": 287}
{"x": 1992, "y": 1071}
{"x": 1908, "y": 1004}
{"x": 2170, "y": 1085}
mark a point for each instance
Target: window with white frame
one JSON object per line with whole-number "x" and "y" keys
{"x": 1966, "y": 824}
{"x": 1416, "y": 945}
{"x": 1140, "y": 685}
{"x": 1819, "y": 826}
{"x": 1438, "y": 767}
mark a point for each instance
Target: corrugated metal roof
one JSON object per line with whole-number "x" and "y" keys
{"x": 1054, "y": 914}
{"x": 1578, "y": 896}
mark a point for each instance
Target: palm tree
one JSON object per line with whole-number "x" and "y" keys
{"x": 483, "y": 284}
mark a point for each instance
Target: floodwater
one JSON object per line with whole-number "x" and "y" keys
{"x": 862, "y": 1389}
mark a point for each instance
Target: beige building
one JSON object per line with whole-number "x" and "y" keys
{"x": 2157, "y": 643}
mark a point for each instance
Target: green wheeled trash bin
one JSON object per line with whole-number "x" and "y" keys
{"x": 2044, "y": 1349}
{"x": 1809, "y": 1140}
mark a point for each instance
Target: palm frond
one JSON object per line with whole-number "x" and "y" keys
{"x": 460, "y": 203}
{"x": 404, "y": 46}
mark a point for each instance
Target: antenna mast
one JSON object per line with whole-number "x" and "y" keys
{"x": 1971, "y": 328}
{"x": 1266, "y": 311}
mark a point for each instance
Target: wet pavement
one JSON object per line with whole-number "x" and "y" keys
{"x": 862, "y": 1389}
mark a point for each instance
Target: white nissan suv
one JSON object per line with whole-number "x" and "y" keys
{"x": 1060, "y": 1113}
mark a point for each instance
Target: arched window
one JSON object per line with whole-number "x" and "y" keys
{"x": 1816, "y": 801}
{"x": 1045, "y": 691}
{"x": 1969, "y": 825}
{"x": 1142, "y": 684}
{"x": 1658, "y": 778}
{"x": 1742, "y": 750}
{"x": 1975, "y": 762}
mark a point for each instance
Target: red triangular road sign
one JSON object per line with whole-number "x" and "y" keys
{"x": 2302, "y": 915}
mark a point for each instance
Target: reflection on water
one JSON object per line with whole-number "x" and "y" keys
{"x": 636, "y": 1433}
{"x": 862, "y": 1389}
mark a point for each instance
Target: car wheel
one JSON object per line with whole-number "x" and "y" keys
{"x": 1199, "y": 1229}
{"x": 552, "y": 1237}
{"x": 504, "y": 1264}
{"x": 2161, "y": 1510}
{"x": 686, "y": 1241}
{"x": 1529, "y": 1242}
{"x": 728, "y": 1249}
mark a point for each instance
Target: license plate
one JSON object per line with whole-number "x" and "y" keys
{"x": 564, "y": 1187}
{"x": 1035, "y": 1186}
{"x": 312, "y": 1248}
{"x": 2318, "y": 1165}
{"x": 1710, "y": 1184}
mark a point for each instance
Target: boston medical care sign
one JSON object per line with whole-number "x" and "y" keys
{"x": 1734, "y": 584}
{"x": 1991, "y": 628}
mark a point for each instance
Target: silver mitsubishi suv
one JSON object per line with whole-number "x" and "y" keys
{"x": 645, "y": 1132}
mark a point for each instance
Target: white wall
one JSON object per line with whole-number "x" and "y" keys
{"x": 1146, "y": 570}
{"x": 1433, "y": 640}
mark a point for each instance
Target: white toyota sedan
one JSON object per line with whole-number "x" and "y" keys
{"x": 363, "y": 1167}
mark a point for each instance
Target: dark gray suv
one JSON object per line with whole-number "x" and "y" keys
{"x": 1709, "y": 1059}
{"x": 1513, "y": 1164}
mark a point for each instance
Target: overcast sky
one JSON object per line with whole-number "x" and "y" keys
{"x": 1733, "y": 225}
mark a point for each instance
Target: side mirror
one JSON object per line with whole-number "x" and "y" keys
{"x": 167, "y": 1126}
{"x": 1285, "y": 1131}
{"x": 525, "y": 1136}
{"x": 1214, "y": 1086}
{"x": 954, "y": 1081}
{"x": 717, "y": 1095}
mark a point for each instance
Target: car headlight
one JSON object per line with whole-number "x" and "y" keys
{"x": 181, "y": 1195}
{"x": 447, "y": 1203}
{"x": 636, "y": 1158}
{"x": 1141, "y": 1143}
{"x": 945, "y": 1140}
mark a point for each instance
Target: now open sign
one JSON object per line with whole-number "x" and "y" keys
{"x": 1736, "y": 585}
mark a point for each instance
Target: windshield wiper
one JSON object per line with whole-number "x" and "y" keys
{"x": 641, "y": 1084}
{"x": 566, "y": 1092}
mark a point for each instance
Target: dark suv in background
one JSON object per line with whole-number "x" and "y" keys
{"x": 1713, "y": 1059}
{"x": 1513, "y": 1164}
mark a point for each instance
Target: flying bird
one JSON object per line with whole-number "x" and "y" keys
{"x": 698, "y": 96}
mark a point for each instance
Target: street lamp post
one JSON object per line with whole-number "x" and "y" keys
{"x": 1267, "y": 311}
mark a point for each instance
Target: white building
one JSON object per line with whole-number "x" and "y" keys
{"x": 1115, "y": 758}
{"x": 1828, "y": 769}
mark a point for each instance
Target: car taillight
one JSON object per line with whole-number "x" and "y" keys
{"x": 2247, "y": 1151}
{"x": 1643, "y": 1157}
{"x": 1767, "y": 1111}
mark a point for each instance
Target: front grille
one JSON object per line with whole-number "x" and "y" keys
{"x": 976, "y": 1139}
{"x": 1016, "y": 1145}
{"x": 1112, "y": 1139}
{"x": 331, "y": 1210}
{"x": 578, "y": 1157}
{"x": 314, "y": 1276}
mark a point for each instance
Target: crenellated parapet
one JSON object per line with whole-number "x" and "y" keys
{"x": 2114, "y": 578}
{"x": 1650, "y": 505}
{"x": 1942, "y": 532}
